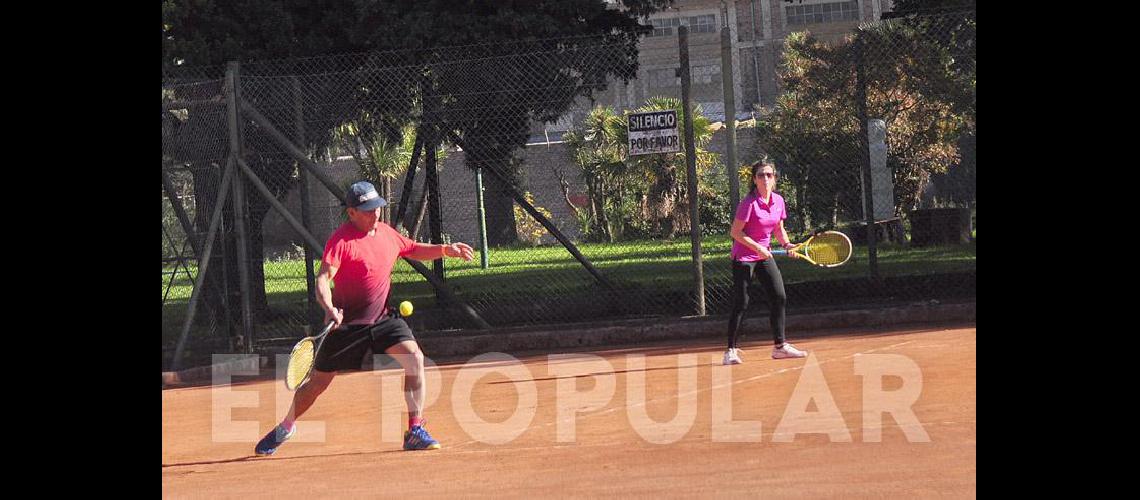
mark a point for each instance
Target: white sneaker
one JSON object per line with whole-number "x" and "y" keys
{"x": 787, "y": 351}
{"x": 732, "y": 357}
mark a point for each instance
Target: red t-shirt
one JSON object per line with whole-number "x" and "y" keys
{"x": 364, "y": 269}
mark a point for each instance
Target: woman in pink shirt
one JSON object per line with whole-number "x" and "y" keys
{"x": 759, "y": 214}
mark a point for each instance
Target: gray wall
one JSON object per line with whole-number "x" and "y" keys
{"x": 457, "y": 190}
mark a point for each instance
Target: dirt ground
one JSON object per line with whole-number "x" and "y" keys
{"x": 675, "y": 423}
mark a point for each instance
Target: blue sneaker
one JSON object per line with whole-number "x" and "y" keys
{"x": 417, "y": 438}
{"x": 271, "y": 441}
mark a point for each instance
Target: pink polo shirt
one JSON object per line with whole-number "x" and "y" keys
{"x": 760, "y": 219}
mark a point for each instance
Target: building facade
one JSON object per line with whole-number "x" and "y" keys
{"x": 757, "y": 32}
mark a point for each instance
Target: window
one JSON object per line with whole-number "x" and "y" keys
{"x": 702, "y": 24}
{"x": 705, "y": 74}
{"x": 823, "y": 12}
{"x": 665, "y": 27}
{"x": 698, "y": 74}
{"x": 696, "y": 24}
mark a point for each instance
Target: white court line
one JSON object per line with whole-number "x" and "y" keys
{"x": 702, "y": 440}
{"x": 678, "y": 396}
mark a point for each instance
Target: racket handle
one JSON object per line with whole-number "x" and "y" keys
{"x": 779, "y": 252}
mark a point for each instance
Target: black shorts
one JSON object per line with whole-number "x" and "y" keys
{"x": 344, "y": 348}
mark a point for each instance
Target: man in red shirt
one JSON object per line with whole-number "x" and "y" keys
{"x": 358, "y": 259}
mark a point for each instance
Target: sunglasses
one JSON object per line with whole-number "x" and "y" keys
{"x": 770, "y": 175}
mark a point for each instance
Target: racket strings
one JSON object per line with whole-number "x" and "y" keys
{"x": 300, "y": 361}
{"x": 828, "y": 249}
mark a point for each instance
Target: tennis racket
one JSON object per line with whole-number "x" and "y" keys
{"x": 303, "y": 357}
{"x": 826, "y": 249}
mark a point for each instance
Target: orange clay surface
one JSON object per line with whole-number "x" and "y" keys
{"x": 795, "y": 429}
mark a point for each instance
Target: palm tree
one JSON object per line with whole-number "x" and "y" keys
{"x": 382, "y": 159}
{"x": 664, "y": 204}
{"x": 599, "y": 149}
{"x": 646, "y": 193}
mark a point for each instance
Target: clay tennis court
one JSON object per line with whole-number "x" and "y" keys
{"x": 607, "y": 455}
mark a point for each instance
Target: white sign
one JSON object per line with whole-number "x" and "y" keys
{"x": 882, "y": 183}
{"x": 653, "y": 132}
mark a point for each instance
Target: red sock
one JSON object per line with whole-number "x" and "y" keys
{"x": 414, "y": 421}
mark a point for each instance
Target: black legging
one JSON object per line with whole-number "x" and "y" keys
{"x": 768, "y": 274}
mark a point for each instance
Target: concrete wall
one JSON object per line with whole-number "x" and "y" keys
{"x": 457, "y": 190}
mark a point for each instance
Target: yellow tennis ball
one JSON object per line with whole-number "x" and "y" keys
{"x": 405, "y": 308}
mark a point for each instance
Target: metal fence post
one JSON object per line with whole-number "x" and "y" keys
{"x": 232, "y": 98}
{"x": 864, "y": 137}
{"x": 313, "y": 316}
{"x": 726, "y": 70}
{"x": 691, "y": 163}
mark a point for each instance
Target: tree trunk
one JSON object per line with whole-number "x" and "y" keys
{"x": 802, "y": 204}
{"x": 835, "y": 211}
{"x": 206, "y": 194}
{"x": 663, "y": 201}
{"x": 385, "y": 189}
{"x": 257, "y": 208}
{"x": 602, "y": 220}
{"x": 435, "y": 212}
{"x": 499, "y": 205}
{"x": 420, "y": 212}
{"x": 409, "y": 182}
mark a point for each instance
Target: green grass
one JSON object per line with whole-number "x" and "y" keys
{"x": 523, "y": 280}
{"x": 527, "y": 271}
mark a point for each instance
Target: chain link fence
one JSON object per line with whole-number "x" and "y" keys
{"x": 521, "y": 150}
